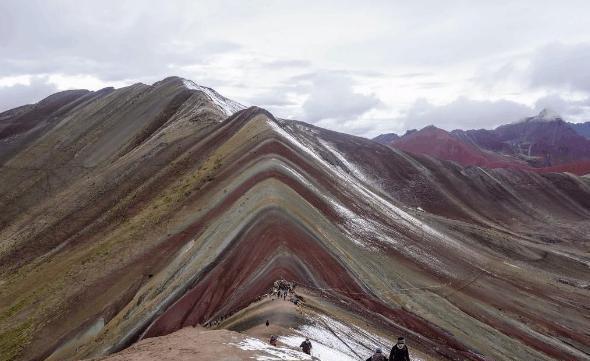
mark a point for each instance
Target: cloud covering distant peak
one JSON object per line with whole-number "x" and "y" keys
{"x": 465, "y": 113}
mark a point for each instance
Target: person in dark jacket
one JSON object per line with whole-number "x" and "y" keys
{"x": 273, "y": 340}
{"x": 399, "y": 352}
{"x": 377, "y": 356}
{"x": 306, "y": 346}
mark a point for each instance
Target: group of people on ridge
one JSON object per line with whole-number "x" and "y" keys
{"x": 282, "y": 288}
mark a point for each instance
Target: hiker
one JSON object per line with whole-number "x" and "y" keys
{"x": 377, "y": 356}
{"x": 273, "y": 340}
{"x": 306, "y": 346}
{"x": 267, "y": 323}
{"x": 399, "y": 352}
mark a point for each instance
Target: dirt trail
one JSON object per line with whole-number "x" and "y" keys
{"x": 194, "y": 344}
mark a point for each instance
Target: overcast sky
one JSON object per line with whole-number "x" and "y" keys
{"x": 361, "y": 67}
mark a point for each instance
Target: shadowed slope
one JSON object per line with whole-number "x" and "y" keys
{"x": 196, "y": 218}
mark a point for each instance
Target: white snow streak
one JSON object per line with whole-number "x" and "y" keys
{"x": 226, "y": 105}
{"x": 351, "y": 167}
{"x": 333, "y": 340}
{"x": 272, "y": 352}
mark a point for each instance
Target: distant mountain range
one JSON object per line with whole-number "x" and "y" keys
{"x": 542, "y": 143}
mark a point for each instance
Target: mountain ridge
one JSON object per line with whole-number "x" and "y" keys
{"x": 109, "y": 240}
{"x": 581, "y": 128}
{"x": 541, "y": 143}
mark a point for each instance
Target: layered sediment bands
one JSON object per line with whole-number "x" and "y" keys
{"x": 180, "y": 216}
{"x": 272, "y": 247}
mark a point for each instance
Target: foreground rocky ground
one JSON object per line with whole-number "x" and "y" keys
{"x": 188, "y": 344}
{"x": 245, "y": 336}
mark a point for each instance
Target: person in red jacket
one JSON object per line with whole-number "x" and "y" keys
{"x": 399, "y": 352}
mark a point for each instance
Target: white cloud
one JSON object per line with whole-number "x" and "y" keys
{"x": 22, "y": 93}
{"x": 332, "y": 96}
{"x": 464, "y": 113}
{"x": 573, "y": 110}
{"x": 562, "y": 66}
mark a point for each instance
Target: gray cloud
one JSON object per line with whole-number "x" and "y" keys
{"x": 279, "y": 64}
{"x": 17, "y": 95}
{"x": 332, "y": 97}
{"x": 368, "y": 128}
{"x": 553, "y": 102}
{"x": 271, "y": 99}
{"x": 112, "y": 40}
{"x": 570, "y": 110}
{"x": 561, "y": 65}
{"x": 413, "y": 75}
{"x": 464, "y": 113}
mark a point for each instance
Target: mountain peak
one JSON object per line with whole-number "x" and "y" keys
{"x": 386, "y": 138}
{"x": 545, "y": 115}
{"x": 226, "y": 105}
{"x": 433, "y": 130}
{"x": 548, "y": 115}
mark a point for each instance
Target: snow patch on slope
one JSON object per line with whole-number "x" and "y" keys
{"x": 271, "y": 352}
{"x": 226, "y": 105}
{"x": 546, "y": 115}
{"x": 333, "y": 340}
{"x": 319, "y": 350}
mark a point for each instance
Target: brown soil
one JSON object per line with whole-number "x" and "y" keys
{"x": 187, "y": 344}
